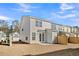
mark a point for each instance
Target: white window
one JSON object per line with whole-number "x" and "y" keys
{"x": 39, "y": 23}
{"x": 43, "y": 36}
{"x": 33, "y": 35}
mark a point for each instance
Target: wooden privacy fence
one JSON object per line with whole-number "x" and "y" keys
{"x": 73, "y": 40}
{"x": 62, "y": 39}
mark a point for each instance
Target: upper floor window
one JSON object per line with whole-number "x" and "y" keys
{"x": 39, "y": 23}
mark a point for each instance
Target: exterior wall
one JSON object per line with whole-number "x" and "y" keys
{"x": 51, "y": 36}
{"x": 57, "y": 28}
{"x": 54, "y": 37}
{"x": 15, "y": 36}
{"x": 46, "y": 25}
{"x": 74, "y": 30}
{"x": 53, "y": 26}
{"x": 25, "y": 29}
{"x": 34, "y": 28}
{"x": 65, "y": 29}
{"x": 69, "y": 30}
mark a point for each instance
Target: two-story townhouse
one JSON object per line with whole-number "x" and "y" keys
{"x": 34, "y": 30}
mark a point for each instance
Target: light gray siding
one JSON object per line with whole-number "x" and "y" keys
{"x": 51, "y": 36}
{"x": 25, "y": 29}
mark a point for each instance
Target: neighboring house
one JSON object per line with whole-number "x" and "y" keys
{"x": 2, "y": 36}
{"x": 34, "y": 30}
{"x": 15, "y": 37}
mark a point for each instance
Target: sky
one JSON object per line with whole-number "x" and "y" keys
{"x": 61, "y": 13}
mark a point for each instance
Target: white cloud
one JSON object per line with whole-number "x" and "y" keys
{"x": 61, "y": 12}
{"x": 23, "y": 10}
{"x": 75, "y": 20}
{"x": 68, "y": 16}
{"x": 67, "y": 12}
{"x": 24, "y": 7}
{"x": 5, "y": 18}
{"x": 71, "y": 15}
{"x": 65, "y": 6}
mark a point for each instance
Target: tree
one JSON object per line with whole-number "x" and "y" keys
{"x": 3, "y": 26}
{"x": 15, "y": 25}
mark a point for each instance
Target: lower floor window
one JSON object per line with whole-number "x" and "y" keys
{"x": 26, "y": 38}
{"x": 43, "y": 36}
{"x": 33, "y": 36}
{"x": 40, "y": 36}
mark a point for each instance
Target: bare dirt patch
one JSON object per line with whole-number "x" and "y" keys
{"x": 34, "y": 49}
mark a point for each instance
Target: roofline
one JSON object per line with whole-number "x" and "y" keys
{"x": 47, "y": 21}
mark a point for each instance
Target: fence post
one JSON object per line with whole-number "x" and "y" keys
{"x": 10, "y": 40}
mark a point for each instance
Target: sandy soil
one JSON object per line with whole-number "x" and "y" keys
{"x": 34, "y": 49}
{"x": 64, "y": 52}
